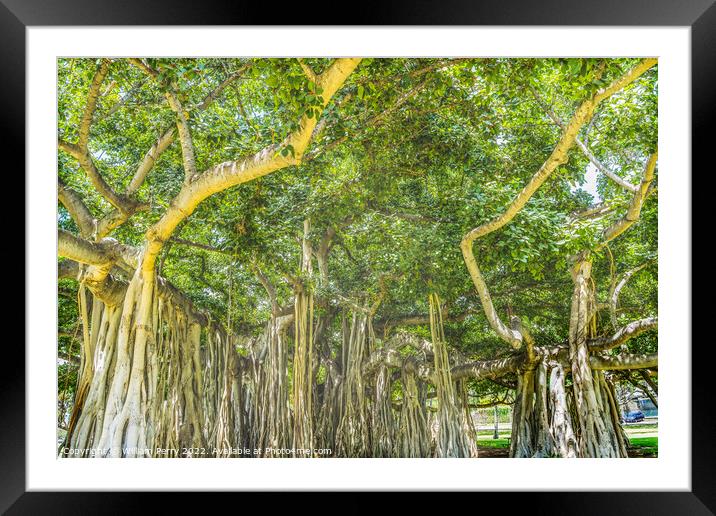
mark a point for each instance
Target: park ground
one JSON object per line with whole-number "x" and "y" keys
{"x": 643, "y": 438}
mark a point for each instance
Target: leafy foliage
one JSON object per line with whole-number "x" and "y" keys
{"x": 409, "y": 156}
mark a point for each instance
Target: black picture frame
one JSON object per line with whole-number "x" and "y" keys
{"x": 700, "y": 15}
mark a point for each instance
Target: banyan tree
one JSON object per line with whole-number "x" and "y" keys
{"x": 351, "y": 257}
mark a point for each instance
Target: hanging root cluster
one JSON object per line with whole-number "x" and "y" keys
{"x": 352, "y": 437}
{"x": 272, "y": 408}
{"x": 413, "y": 438}
{"x": 598, "y": 432}
{"x": 382, "y": 421}
{"x": 452, "y": 439}
{"x": 156, "y": 379}
{"x": 143, "y": 391}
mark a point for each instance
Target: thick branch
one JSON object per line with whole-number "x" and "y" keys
{"x": 68, "y": 269}
{"x": 85, "y": 161}
{"x": 634, "y": 210}
{"x": 83, "y": 251}
{"x": 77, "y": 209}
{"x": 149, "y": 160}
{"x": 106, "y": 252}
{"x": 487, "y": 368}
{"x": 185, "y": 139}
{"x": 126, "y": 206}
{"x": 624, "y": 334}
{"x": 623, "y": 362}
{"x": 92, "y": 96}
{"x": 391, "y": 357}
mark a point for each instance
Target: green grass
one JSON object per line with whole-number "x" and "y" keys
{"x": 651, "y": 442}
{"x": 493, "y": 443}
{"x": 645, "y": 445}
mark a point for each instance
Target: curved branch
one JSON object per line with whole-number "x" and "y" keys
{"x": 106, "y": 252}
{"x": 623, "y": 362}
{"x": 91, "y": 106}
{"x": 83, "y": 158}
{"x": 185, "y": 139}
{"x": 558, "y": 156}
{"x": 604, "y": 170}
{"x": 80, "y": 150}
{"x": 617, "y": 288}
{"x": 232, "y": 173}
{"x": 149, "y": 160}
{"x": 127, "y": 205}
{"x": 478, "y": 370}
{"x": 76, "y": 208}
{"x": 585, "y": 150}
{"x": 634, "y": 210}
{"x": 388, "y": 357}
{"x": 83, "y": 251}
{"x": 624, "y": 334}
{"x": 487, "y": 368}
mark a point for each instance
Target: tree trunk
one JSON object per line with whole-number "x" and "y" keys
{"x": 530, "y": 437}
{"x": 274, "y": 418}
{"x": 565, "y": 442}
{"x": 142, "y": 392}
{"x": 382, "y": 421}
{"x": 95, "y": 373}
{"x": 597, "y": 436}
{"x": 331, "y": 407}
{"x": 413, "y": 439}
{"x": 303, "y": 438}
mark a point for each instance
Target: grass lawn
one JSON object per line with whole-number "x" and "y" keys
{"x": 642, "y": 446}
{"x": 645, "y": 446}
{"x": 493, "y": 443}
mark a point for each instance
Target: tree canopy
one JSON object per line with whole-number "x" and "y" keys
{"x": 375, "y": 185}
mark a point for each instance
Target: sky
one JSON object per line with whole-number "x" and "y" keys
{"x": 590, "y": 183}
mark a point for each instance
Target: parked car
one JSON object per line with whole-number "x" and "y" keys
{"x": 633, "y": 417}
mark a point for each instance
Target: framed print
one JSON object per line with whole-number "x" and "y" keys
{"x": 385, "y": 257}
